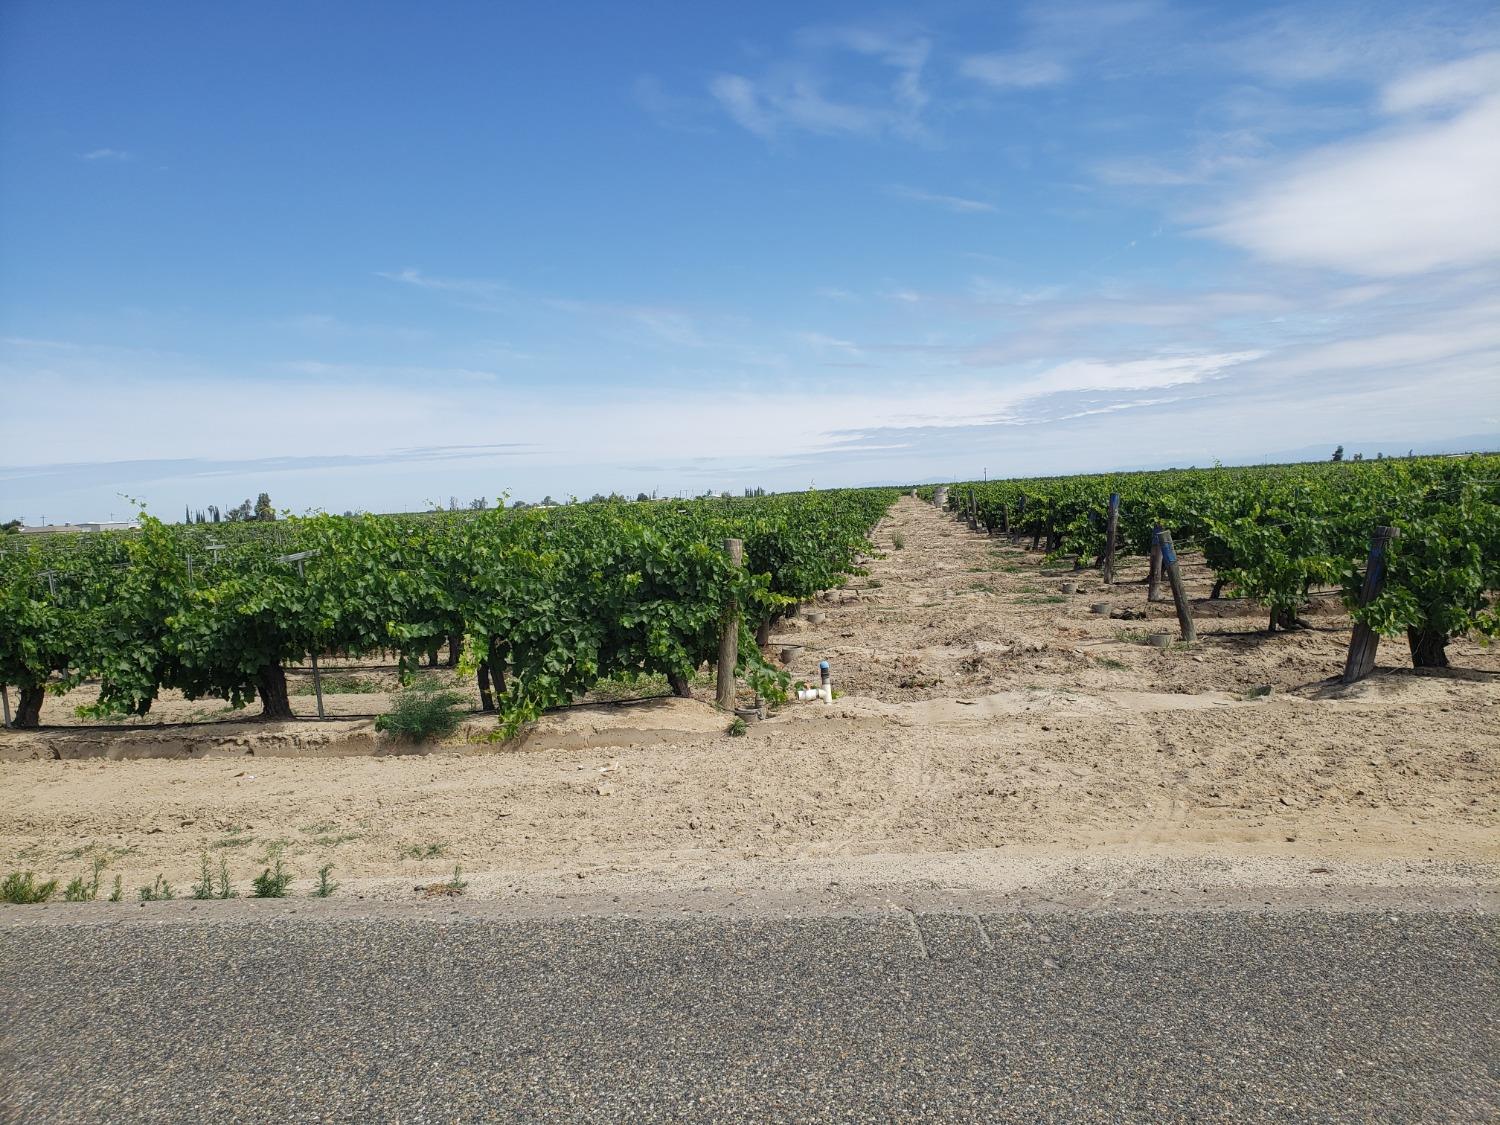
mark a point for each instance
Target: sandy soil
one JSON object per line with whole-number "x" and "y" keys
{"x": 979, "y": 720}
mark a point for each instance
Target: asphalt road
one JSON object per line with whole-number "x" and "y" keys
{"x": 1065, "y": 1016}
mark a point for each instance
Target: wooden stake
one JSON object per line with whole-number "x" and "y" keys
{"x": 1153, "y": 578}
{"x": 317, "y": 684}
{"x": 5, "y": 703}
{"x": 1179, "y": 596}
{"x": 1111, "y": 529}
{"x": 1362, "y": 645}
{"x": 729, "y": 633}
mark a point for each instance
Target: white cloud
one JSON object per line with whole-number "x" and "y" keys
{"x": 955, "y": 203}
{"x": 1420, "y": 197}
{"x": 1018, "y": 71}
{"x": 1445, "y": 85}
{"x": 106, "y": 154}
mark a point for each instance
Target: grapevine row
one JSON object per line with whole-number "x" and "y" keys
{"x": 544, "y": 604}
{"x": 1277, "y": 533}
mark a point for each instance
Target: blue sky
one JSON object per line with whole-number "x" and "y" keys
{"x": 367, "y": 255}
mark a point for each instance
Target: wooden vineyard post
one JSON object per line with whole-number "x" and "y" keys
{"x": 1153, "y": 577}
{"x": 1179, "y": 596}
{"x": 317, "y": 684}
{"x": 299, "y": 558}
{"x": 1111, "y": 529}
{"x": 1363, "y": 643}
{"x": 729, "y": 633}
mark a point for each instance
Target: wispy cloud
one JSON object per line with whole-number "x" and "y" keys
{"x": 106, "y": 154}
{"x": 1306, "y": 43}
{"x": 1014, "y": 71}
{"x": 469, "y": 286}
{"x": 1445, "y": 85}
{"x": 955, "y": 203}
{"x": 802, "y": 92}
{"x": 1213, "y": 157}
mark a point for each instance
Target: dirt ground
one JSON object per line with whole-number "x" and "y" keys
{"x": 985, "y": 719}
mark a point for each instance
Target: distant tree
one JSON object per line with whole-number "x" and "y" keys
{"x": 641, "y": 498}
{"x": 187, "y": 514}
{"x": 213, "y": 511}
{"x": 245, "y": 511}
{"x": 1338, "y": 454}
{"x": 478, "y": 504}
{"x": 453, "y": 503}
{"x": 517, "y": 505}
{"x": 1359, "y": 457}
{"x": 597, "y": 497}
{"x": 263, "y": 509}
{"x": 547, "y": 501}
{"x": 11, "y": 527}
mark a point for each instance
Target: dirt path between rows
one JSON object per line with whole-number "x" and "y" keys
{"x": 982, "y": 714}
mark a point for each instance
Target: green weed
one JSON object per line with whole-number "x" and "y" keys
{"x": 451, "y": 888}
{"x": 21, "y": 888}
{"x": 326, "y": 886}
{"x": 159, "y": 891}
{"x": 341, "y": 685}
{"x": 81, "y": 890}
{"x": 737, "y": 728}
{"x": 422, "y": 851}
{"x": 273, "y": 882}
{"x": 424, "y": 711}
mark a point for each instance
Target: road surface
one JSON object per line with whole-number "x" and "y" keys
{"x": 1060, "y": 1015}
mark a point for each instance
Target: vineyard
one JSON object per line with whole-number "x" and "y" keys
{"x": 1281, "y": 534}
{"x": 539, "y": 605}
